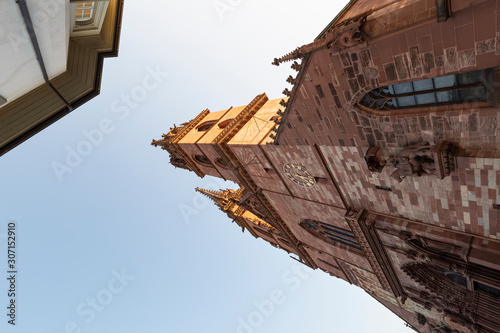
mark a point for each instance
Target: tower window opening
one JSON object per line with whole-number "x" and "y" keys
{"x": 205, "y": 126}
{"x": 226, "y": 122}
{"x": 202, "y": 159}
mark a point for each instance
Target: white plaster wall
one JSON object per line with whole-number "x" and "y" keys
{"x": 19, "y": 68}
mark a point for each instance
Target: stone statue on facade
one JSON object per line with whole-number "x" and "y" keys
{"x": 416, "y": 159}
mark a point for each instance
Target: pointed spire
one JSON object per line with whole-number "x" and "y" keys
{"x": 230, "y": 202}
{"x": 216, "y": 196}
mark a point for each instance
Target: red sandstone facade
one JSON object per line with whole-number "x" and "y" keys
{"x": 381, "y": 166}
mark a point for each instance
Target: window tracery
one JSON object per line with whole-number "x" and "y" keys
{"x": 463, "y": 300}
{"x": 330, "y": 233}
{"x": 449, "y": 89}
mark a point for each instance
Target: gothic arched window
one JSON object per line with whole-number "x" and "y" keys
{"x": 452, "y": 276}
{"x": 330, "y": 233}
{"x": 449, "y": 89}
{"x": 463, "y": 281}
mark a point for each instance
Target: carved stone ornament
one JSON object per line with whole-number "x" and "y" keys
{"x": 413, "y": 160}
{"x": 458, "y": 303}
{"x": 352, "y": 213}
{"x": 252, "y": 204}
{"x": 349, "y": 38}
{"x": 373, "y": 161}
{"x": 345, "y": 35}
{"x": 421, "y": 159}
{"x": 299, "y": 175}
{"x": 427, "y": 247}
{"x": 296, "y": 66}
{"x": 445, "y": 156}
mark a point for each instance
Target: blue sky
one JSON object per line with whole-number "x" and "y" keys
{"x": 120, "y": 241}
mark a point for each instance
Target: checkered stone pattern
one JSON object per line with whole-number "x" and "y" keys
{"x": 467, "y": 200}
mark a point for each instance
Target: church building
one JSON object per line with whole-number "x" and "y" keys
{"x": 381, "y": 164}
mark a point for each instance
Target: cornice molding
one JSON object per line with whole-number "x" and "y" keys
{"x": 192, "y": 124}
{"x": 241, "y": 119}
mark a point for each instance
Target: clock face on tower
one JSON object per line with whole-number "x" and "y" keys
{"x": 299, "y": 175}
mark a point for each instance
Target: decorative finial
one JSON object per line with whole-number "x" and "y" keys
{"x": 291, "y": 80}
{"x": 296, "y": 66}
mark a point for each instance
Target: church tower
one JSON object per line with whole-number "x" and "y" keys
{"x": 382, "y": 165}
{"x": 201, "y": 145}
{"x": 225, "y": 144}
